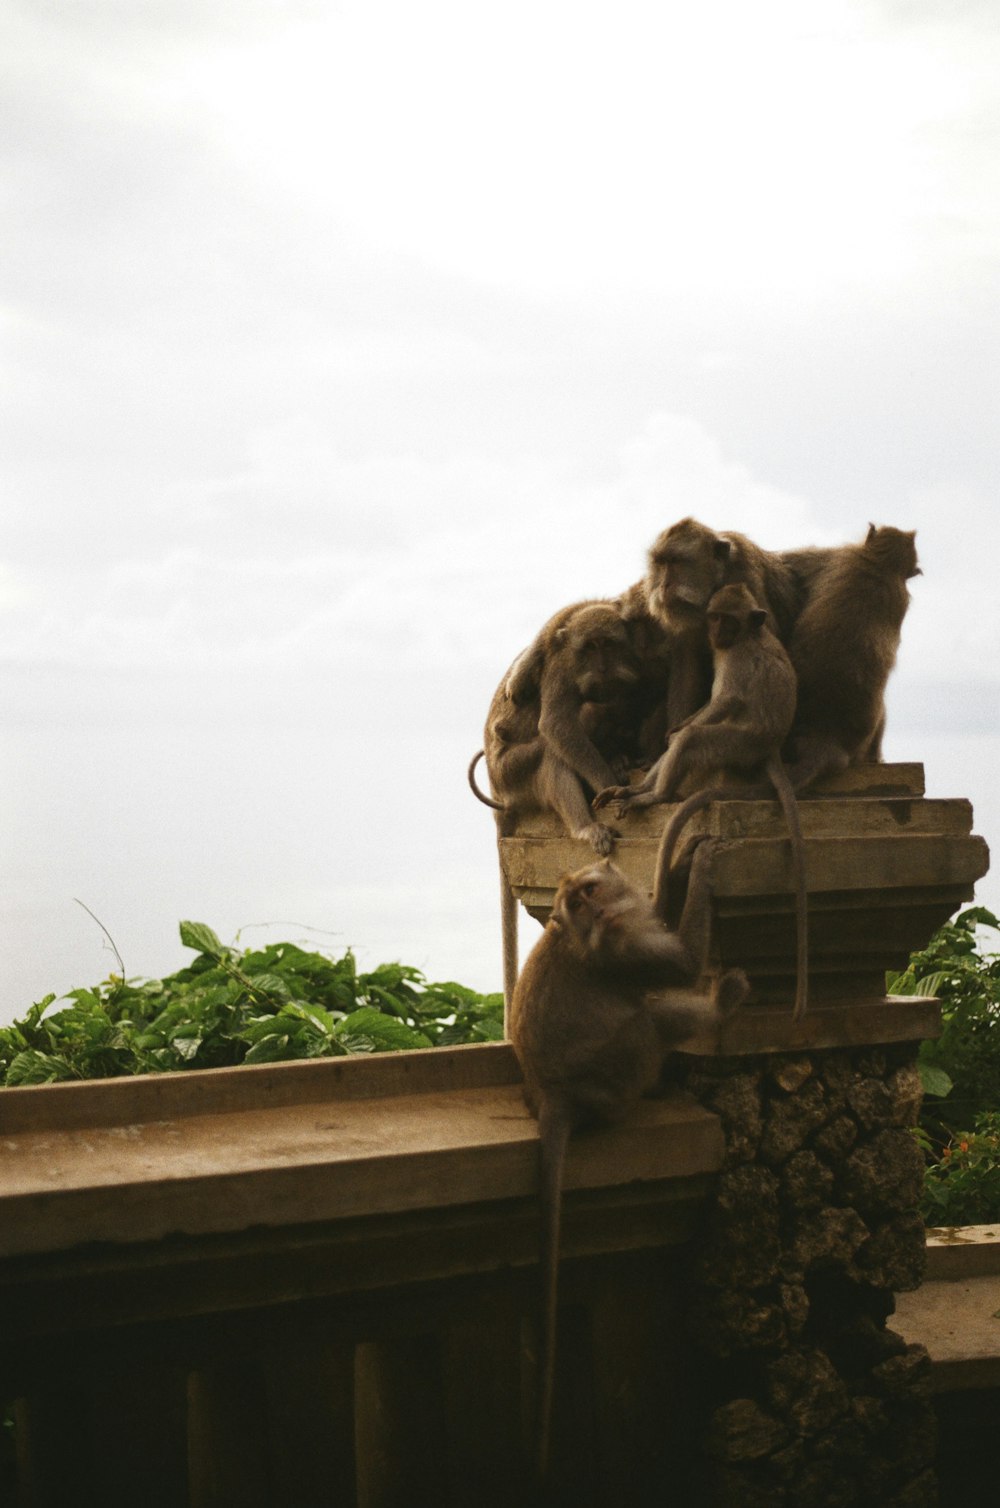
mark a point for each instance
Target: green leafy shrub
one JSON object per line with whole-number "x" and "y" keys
{"x": 227, "y": 1007}
{"x": 961, "y": 1067}
{"x": 962, "y": 1184}
{"x": 960, "y": 1071}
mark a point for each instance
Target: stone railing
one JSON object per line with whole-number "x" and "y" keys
{"x": 316, "y": 1284}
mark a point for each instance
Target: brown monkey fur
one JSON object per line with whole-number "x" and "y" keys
{"x": 739, "y": 732}
{"x": 688, "y": 562}
{"x": 591, "y": 1037}
{"x": 843, "y": 648}
{"x": 566, "y": 716}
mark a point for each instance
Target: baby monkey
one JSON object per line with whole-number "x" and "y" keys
{"x": 590, "y": 1034}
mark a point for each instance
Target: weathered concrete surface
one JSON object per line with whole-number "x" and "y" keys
{"x": 958, "y": 1320}
{"x": 956, "y": 1314}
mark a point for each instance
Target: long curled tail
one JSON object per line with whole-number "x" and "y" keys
{"x": 497, "y": 806}
{"x": 780, "y": 786}
{"x": 679, "y": 821}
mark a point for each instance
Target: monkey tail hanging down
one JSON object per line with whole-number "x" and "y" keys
{"x": 591, "y": 1032}
{"x": 740, "y": 730}
{"x": 782, "y": 787}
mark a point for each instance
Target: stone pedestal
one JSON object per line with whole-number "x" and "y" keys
{"x": 808, "y": 1396}
{"x": 885, "y": 867}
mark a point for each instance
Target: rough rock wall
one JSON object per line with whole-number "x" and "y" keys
{"x": 811, "y": 1401}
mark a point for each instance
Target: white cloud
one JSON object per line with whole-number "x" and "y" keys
{"x": 336, "y": 358}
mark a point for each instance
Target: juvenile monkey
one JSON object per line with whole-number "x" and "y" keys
{"x": 591, "y": 1037}
{"x": 843, "y": 648}
{"x": 738, "y": 732}
{"x": 688, "y": 562}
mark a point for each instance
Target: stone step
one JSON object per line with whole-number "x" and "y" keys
{"x": 956, "y": 1312}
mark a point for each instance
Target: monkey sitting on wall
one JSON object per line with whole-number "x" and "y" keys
{"x": 566, "y": 716}
{"x": 738, "y": 733}
{"x": 688, "y": 562}
{"x": 579, "y": 730}
{"x": 843, "y": 648}
{"x": 591, "y": 1036}
{"x": 747, "y": 718}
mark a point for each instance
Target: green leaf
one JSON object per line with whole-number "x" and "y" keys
{"x": 935, "y": 1080}
{"x": 186, "y": 1047}
{"x": 270, "y": 1049}
{"x": 33, "y": 1067}
{"x": 271, "y": 985}
{"x": 387, "y": 1032}
{"x": 196, "y": 935}
{"x": 354, "y": 1042}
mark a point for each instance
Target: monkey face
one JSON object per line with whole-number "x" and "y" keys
{"x": 587, "y": 898}
{"x": 686, "y": 565}
{"x": 732, "y": 614}
{"x": 604, "y": 663}
{"x": 723, "y": 630}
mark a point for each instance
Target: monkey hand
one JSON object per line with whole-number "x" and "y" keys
{"x": 610, "y": 793}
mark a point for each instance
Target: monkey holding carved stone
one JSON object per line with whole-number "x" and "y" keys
{"x": 843, "y": 648}
{"x": 590, "y": 1033}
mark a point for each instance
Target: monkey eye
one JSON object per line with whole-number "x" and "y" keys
{"x": 589, "y": 888}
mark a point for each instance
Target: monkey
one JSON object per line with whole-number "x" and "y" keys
{"x": 741, "y": 729}
{"x": 524, "y": 678}
{"x": 687, "y": 563}
{"x": 582, "y": 721}
{"x": 579, "y": 729}
{"x": 590, "y": 1034}
{"x": 843, "y": 648}
{"x": 648, "y": 641}
{"x": 748, "y": 716}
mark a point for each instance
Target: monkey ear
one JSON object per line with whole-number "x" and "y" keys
{"x": 756, "y": 617}
{"x": 722, "y": 549}
{"x": 872, "y": 531}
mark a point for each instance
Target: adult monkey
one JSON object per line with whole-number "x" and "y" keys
{"x": 688, "y": 562}
{"x": 578, "y": 733}
{"x": 740, "y": 731}
{"x": 591, "y": 1036}
{"x": 843, "y": 648}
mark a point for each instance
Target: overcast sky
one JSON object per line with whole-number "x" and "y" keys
{"x": 343, "y": 343}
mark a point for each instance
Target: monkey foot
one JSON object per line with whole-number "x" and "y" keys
{"x": 600, "y": 837}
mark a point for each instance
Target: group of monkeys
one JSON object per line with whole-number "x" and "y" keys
{"x": 727, "y": 670}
